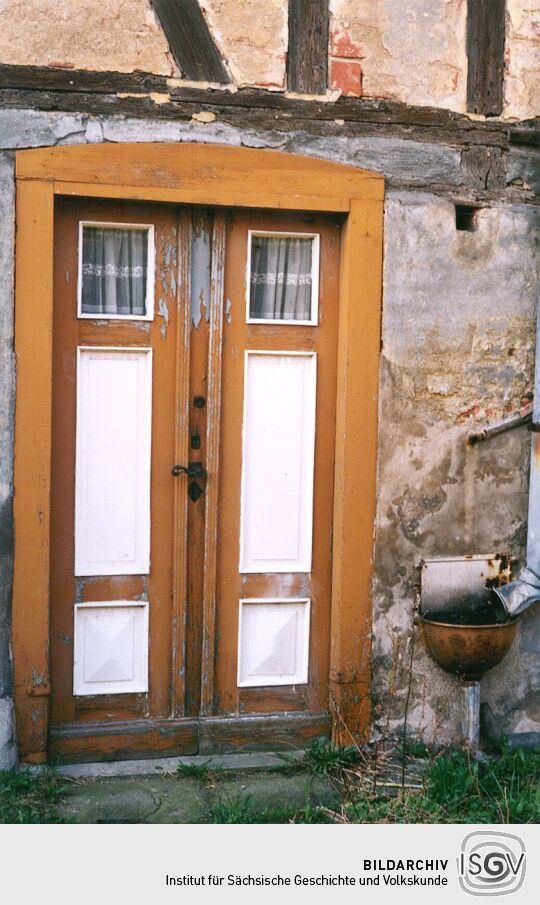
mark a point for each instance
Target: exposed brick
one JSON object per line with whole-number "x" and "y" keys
{"x": 342, "y": 45}
{"x": 346, "y": 75}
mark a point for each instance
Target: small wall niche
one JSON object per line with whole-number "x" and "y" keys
{"x": 466, "y": 217}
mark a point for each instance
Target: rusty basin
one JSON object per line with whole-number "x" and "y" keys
{"x": 467, "y": 651}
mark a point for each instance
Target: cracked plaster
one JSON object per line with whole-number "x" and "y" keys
{"x": 253, "y": 39}
{"x": 413, "y": 52}
{"x": 522, "y": 56}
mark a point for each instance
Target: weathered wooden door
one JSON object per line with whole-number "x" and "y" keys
{"x": 278, "y": 430}
{"x": 192, "y": 466}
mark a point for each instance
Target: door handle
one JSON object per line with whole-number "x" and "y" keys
{"x": 193, "y": 470}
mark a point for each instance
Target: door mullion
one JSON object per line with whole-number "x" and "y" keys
{"x": 213, "y": 434}
{"x": 181, "y": 454}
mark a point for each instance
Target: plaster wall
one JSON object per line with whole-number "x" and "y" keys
{"x": 458, "y": 350}
{"x": 252, "y": 38}
{"x": 7, "y": 412}
{"x": 412, "y": 52}
{"x": 83, "y": 34}
{"x": 522, "y": 58}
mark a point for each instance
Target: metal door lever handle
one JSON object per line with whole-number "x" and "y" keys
{"x": 193, "y": 470}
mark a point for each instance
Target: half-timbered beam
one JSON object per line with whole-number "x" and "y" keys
{"x": 485, "y": 52}
{"x": 190, "y": 41}
{"x": 130, "y": 94}
{"x": 307, "y": 58}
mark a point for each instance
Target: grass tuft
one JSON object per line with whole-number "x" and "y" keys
{"x": 232, "y": 809}
{"x": 193, "y": 771}
{"x": 27, "y": 797}
{"x": 237, "y": 808}
{"x": 326, "y": 759}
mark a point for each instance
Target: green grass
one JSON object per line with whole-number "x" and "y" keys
{"x": 194, "y": 771}
{"x": 415, "y": 748}
{"x": 30, "y": 798}
{"x": 234, "y": 808}
{"x": 456, "y": 789}
{"x": 237, "y": 808}
{"x": 326, "y": 759}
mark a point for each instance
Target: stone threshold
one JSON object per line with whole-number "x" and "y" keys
{"x": 263, "y": 760}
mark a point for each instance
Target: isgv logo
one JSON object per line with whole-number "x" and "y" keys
{"x": 491, "y": 863}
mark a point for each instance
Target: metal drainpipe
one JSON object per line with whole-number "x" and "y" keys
{"x": 470, "y": 715}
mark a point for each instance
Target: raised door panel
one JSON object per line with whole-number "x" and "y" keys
{"x": 113, "y": 457}
{"x": 277, "y": 462}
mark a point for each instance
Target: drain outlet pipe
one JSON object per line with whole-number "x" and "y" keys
{"x": 470, "y": 715}
{"x": 519, "y": 595}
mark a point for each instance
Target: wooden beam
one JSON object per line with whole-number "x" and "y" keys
{"x": 129, "y": 94}
{"x": 190, "y": 41}
{"x": 268, "y": 732}
{"x": 485, "y": 53}
{"x": 200, "y": 173}
{"x": 356, "y": 441}
{"x": 307, "y": 57}
{"x": 123, "y": 740}
{"x": 133, "y": 739}
{"x": 33, "y": 350}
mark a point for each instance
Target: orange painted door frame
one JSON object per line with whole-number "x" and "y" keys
{"x": 219, "y": 177}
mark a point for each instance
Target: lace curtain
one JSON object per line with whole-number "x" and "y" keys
{"x": 280, "y": 278}
{"x": 114, "y": 271}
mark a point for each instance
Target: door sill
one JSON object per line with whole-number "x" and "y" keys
{"x": 142, "y": 739}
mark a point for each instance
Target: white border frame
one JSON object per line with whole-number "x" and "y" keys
{"x": 79, "y": 686}
{"x": 150, "y": 271}
{"x": 265, "y": 681}
{"x": 79, "y": 572}
{"x": 243, "y": 570}
{"x": 315, "y": 257}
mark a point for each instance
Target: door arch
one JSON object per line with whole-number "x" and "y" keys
{"x": 219, "y": 177}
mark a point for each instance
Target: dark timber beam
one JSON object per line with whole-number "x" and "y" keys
{"x": 485, "y": 52}
{"x": 130, "y": 94}
{"x": 307, "y": 58}
{"x": 190, "y": 41}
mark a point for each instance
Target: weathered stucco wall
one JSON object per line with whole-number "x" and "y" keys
{"x": 522, "y": 59}
{"x": 413, "y": 52}
{"x": 252, "y": 38}
{"x": 83, "y": 34}
{"x": 7, "y": 411}
{"x": 458, "y": 348}
{"x": 127, "y": 36}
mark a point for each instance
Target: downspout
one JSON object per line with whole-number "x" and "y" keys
{"x": 519, "y": 595}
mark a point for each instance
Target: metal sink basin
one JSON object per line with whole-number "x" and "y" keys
{"x": 467, "y": 651}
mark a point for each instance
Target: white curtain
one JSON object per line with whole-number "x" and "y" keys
{"x": 114, "y": 271}
{"x": 280, "y": 278}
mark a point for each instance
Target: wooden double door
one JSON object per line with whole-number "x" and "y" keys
{"x": 193, "y": 433}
